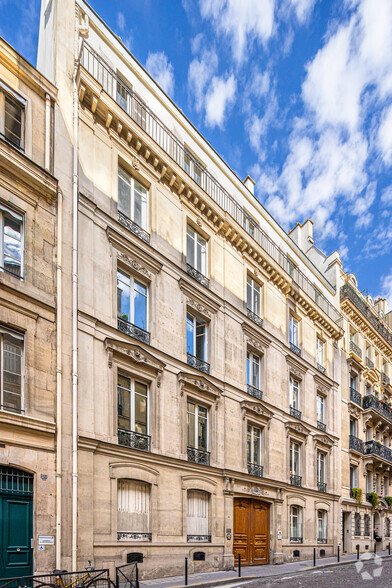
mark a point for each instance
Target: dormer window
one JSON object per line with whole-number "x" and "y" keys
{"x": 12, "y": 106}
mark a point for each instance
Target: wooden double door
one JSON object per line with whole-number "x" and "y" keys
{"x": 251, "y": 531}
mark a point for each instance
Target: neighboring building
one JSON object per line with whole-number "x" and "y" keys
{"x": 206, "y": 384}
{"x": 28, "y": 225}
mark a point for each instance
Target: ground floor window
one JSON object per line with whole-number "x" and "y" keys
{"x": 387, "y": 527}
{"x": 357, "y": 524}
{"x": 322, "y": 526}
{"x": 133, "y": 511}
{"x": 198, "y": 516}
{"x": 366, "y": 525}
{"x": 296, "y": 524}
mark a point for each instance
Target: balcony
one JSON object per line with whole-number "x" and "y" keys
{"x": 134, "y": 440}
{"x": 321, "y": 426}
{"x": 296, "y": 539}
{"x": 321, "y": 368}
{"x": 254, "y": 317}
{"x": 133, "y": 228}
{"x": 372, "y": 402}
{"x": 133, "y": 331}
{"x": 322, "y": 540}
{"x": 296, "y": 480}
{"x": 322, "y": 486}
{"x": 134, "y": 536}
{"x": 255, "y": 392}
{"x": 198, "y": 538}
{"x": 385, "y": 380}
{"x": 295, "y": 413}
{"x": 198, "y": 363}
{"x": 350, "y": 293}
{"x": 355, "y": 350}
{"x": 355, "y": 396}
{"x": 379, "y": 450}
{"x": 194, "y": 273}
{"x": 355, "y": 444}
{"x": 198, "y": 456}
{"x": 255, "y": 469}
{"x": 295, "y": 349}
{"x": 369, "y": 363}
{"x": 147, "y": 120}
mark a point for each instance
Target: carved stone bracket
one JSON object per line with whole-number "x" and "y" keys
{"x": 199, "y": 384}
{"x": 133, "y": 264}
{"x": 298, "y": 429}
{"x": 323, "y": 440}
{"x": 255, "y": 339}
{"x": 135, "y": 354}
{"x": 256, "y": 410}
{"x": 296, "y": 368}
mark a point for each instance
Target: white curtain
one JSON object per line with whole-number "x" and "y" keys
{"x": 198, "y": 503}
{"x": 133, "y": 504}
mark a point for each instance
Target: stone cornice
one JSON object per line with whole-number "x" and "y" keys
{"x": 188, "y": 381}
{"x": 256, "y": 410}
{"x": 365, "y": 327}
{"x": 254, "y": 338}
{"x": 296, "y": 367}
{"x": 28, "y": 423}
{"x": 204, "y": 302}
{"x": 134, "y": 353}
{"x": 297, "y": 428}
{"x": 132, "y": 255}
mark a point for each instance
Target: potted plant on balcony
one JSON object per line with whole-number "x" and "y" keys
{"x": 388, "y": 500}
{"x": 373, "y": 499}
{"x": 357, "y": 494}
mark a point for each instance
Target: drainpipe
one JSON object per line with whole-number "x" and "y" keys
{"x": 59, "y": 325}
{"x": 47, "y": 131}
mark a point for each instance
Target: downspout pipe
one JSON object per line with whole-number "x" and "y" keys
{"x": 59, "y": 372}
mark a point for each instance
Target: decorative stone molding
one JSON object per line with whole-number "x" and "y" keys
{"x": 132, "y": 471}
{"x": 134, "y": 265}
{"x": 204, "y": 302}
{"x": 254, "y": 339}
{"x": 322, "y": 383}
{"x": 323, "y": 440}
{"x": 135, "y": 354}
{"x": 298, "y": 429}
{"x": 132, "y": 252}
{"x": 296, "y": 368}
{"x": 191, "y": 482}
{"x": 135, "y": 163}
{"x": 354, "y": 410}
{"x": 199, "y": 384}
{"x": 198, "y": 307}
{"x": 256, "y": 410}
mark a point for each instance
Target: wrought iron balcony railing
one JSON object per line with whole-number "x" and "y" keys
{"x": 375, "y": 403}
{"x": 134, "y": 440}
{"x": 121, "y": 536}
{"x": 295, "y": 413}
{"x": 133, "y": 227}
{"x": 385, "y": 379}
{"x": 254, "y": 317}
{"x": 356, "y": 444}
{"x": 369, "y": 363}
{"x": 348, "y": 292}
{"x": 322, "y": 540}
{"x": 355, "y": 349}
{"x": 296, "y": 480}
{"x": 322, "y": 426}
{"x": 254, "y": 469}
{"x": 197, "y": 275}
{"x": 133, "y": 331}
{"x": 198, "y": 363}
{"x": 295, "y": 349}
{"x": 376, "y": 448}
{"x": 296, "y": 539}
{"x": 198, "y": 538}
{"x": 254, "y": 392}
{"x": 198, "y": 456}
{"x": 321, "y": 368}
{"x": 322, "y": 486}
{"x": 115, "y": 86}
{"x": 355, "y": 396}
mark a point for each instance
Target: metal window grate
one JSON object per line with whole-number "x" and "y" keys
{"x": 15, "y": 481}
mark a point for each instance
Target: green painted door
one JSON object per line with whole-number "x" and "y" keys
{"x": 16, "y": 523}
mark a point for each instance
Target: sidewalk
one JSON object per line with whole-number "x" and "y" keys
{"x": 248, "y": 572}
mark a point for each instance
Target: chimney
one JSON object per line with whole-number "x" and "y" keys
{"x": 381, "y": 304}
{"x": 302, "y": 235}
{"x": 250, "y": 184}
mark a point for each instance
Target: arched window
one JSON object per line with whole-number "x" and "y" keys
{"x": 322, "y": 521}
{"x": 198, "y": 519}
{"x": 387, "y": 527}
{"x": 366, "y": 525}
{"x": 296, "y": 535}
{"x": 357, "y": 519}
{"x": 133, "y": 511}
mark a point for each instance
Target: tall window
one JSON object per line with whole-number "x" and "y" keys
{"x": 386, "y": 486}
{"x": 253, "y": 296}
{"x": 320, "y": 352}
{"x": 296, "y": 524}
{"x": 131, "y": 300}
{"x": 387, "y": 527}
{"x": 294, "y": 338}
{"x": 294, "y": 393}
{"x": 196, "y": 337}
{"x": 254, "y": 445}
{"x": 357, "y": 524}
{"x": 321, "y": 471}
{"x": 11, "y": 241}
{"x": 193, "y": 166}
{"x": 132, "y": 198}
{"x": 320, "y": 406}
{"x": 369, "y": 482}
{"x": 11, "y": 371}
{"x": 353, "y": 477}
{"x": 295, "y": 461}
{"x": 133, "y": 511}
{"x": 196, "y": 250}
{"x": 353, "y": 381}
{"x": 197, "y": 424}
{"x": 12, "y": 123}
{"x": 322, "y": 526}
{"x": 253, "y": 370}
{"x": 353, "y": 426}
{"x": 366, "y": 525}
{"x": 132, "y": 405}
{"x": 198, "y": 516}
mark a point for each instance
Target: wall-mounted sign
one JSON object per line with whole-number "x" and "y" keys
{"x": 41, "y": 547}
{"x": 279, "y": 534}
{"x": 46, "y": 540}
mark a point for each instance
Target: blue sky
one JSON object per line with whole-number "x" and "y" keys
{"x": 297, "y": 93}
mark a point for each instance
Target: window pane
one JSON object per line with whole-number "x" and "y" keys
{"x": 140, "y": 305}
{"x": 124, "y": 193}
{"x": 256, "y": 299}
{"x": 140, "y": 205}
{"x": 190, "y": 330}
{"x": 197, "y": 513}
{"x": 256, "y": 371}
{"x": 248, "y": 369}
{"x": 190, "y": 246}
{"x": 249, "y": 444}
{"x": 201, "y": 254}
{"x": 249, "y": 294}
{"x": 124, "y": 403}
{"x": 201, "y": 342}
{"x": 133, "y": 505}
{"x": 123, "y": 296}
{"x": 13, "y": 122}
{"x": 191, "y": 424}
{"x": 141, "y": 408}
{"x": 256, "y": 445}
{"x": 12, "y": 242}
{"x": 12, "y": 371}
{"x": 202, "y": 428}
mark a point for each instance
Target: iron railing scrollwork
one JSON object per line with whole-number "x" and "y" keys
{"x": 133, "y": 227}
{"x": 385, "y": 380}
{"x": 296, "y": 480}
{"x": 295, "y": 349}
{"x": 198, "y": 363}
{"x": 355, "y": 396}
{"x": 254, "y": 469}
{"x": 125, "y": 536}
{"x": 134, "y": 440}
{"x": 133, "y": 331}
{"x": 254, "y": 317}
{"x": 321, "y": 426}
{"x": 356, "y": 444}
{"x": 296, "y": 539}
{"x": 355, "y": 349}
{"x": 198, "y": 538}
{"x": 191, "y": 271}
{"x": 322, "y": 486}
{"x": 321, "y": 368}
{"x": 375, "y": 403}
{"x": 369, "y": 363}
{"x": 295, "y": 413}
{"x": 322, "y": 540}
{"x": 198, "y": 456}
{"x": 379, "y": 450}
{"x": 254, "y": 392}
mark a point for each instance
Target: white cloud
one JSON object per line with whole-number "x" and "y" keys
{"x": 219, "y": 98}
{"x": 121, "y": 21}
{"x": 385, "y": 136}
{"x": 386, "y": 197}
{"x": 303, "y": 9}
{"x": 242, "y": 21}
{"x": 200, "y": 73}
{"x": 161, "y": 70}
{"x": 386, "y": 289}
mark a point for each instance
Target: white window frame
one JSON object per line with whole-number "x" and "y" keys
{"x": 250, "y": 437}
{"x": 132, "y": 394}
{"x": 354, "y": 478}
{"x": 197, "y": 405}
{"x": 324, "y": 525}
{"x": 132, "y": 281}
{"x": 191, "y": 167}
{"x": 15, "y": 97}
{"x": 206, "y": 498}
{"x": 320, "y": 408}
{"x": 294, "y": 331}
{"x": 321, "y": 467}
{"x": 19, "y": 336}
{"x": 205, "y": 323}
{"x": 254, "y": 287}
{"x": 295, "y": 393}
{"x": 198, "y": 240}
{"x": 130, "y": 180}
{"x": 320, "y": 351}
{"x": 136, "y": 483}
{"x": 299, "y": 518}
{"x": 250, "y": 360}
{"x": 20, "y": 218}
{"x": 295, "y": 450}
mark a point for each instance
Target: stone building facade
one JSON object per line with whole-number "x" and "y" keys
{"x": 207, "y": 382}
{"x": 28, "y": 221}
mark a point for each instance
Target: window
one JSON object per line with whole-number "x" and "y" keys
{"x": 253, "y": 296}
{"x": 11, "y": 371}
{"x": 132, "y": 198}
{"x": 321, "y": 484}
{"x": 377, "y": 484}
{"x": 386, "y": 486}
{"x": 353, "y": 382}
{"x": 193, "y": 166}
{"x": 253, "y": 370}
{"x": 122, "y": 94}
{"x": 295, "y": 467}
{"x": 294, "y": 394}
{"x": 369, "y": 482}
{"x": 196, "y": 338}
{"x": 357, "y": 524}
{"x": 294, "y": 339}
{"x": 366, "y": 525}
{"x": 132, "y": 405}
{"x": 133, "y": 511}
{"x": 13, "y": 107}
{"x": 353, "y": 477}
{"x": 320, "y": 352}
{"x": 320, "y": 408}
{"x": 369, "y": 434}
{"x": 198, "y": 516}
{"x": 296, "y": 524}
{"x": 197, "y": 424}
{"x": 353, "y": 426}
{"x": 196, "y": 250}
{"x": 322, "y": 526}
{"x": 387, "y": 527}
{"x": 132, "y": 296}
{"x": 254, "y": 445}
{"x": 11, "y": 241}
{"x": 291, "y": 267}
